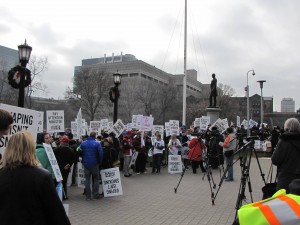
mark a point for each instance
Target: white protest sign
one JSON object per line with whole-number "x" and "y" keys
{"x": 80, "y": 175}
{"x": 139, "y": 121}
{"x": 41, "y": 122}
{"x": 128, "y": 126}
{"x": 159, "y": 129}
{"x": 257, "y": 144}
{"x": 147, "y": 123}
{"x": 238, "y": 121}
{"x": 219, "y": 124}
{"x": 111, "y": 182}
{"x": 167, "y": 128}
{"x": 79, "y": 123}
{"x": 225, "y": 123}
{"x": 55, "y": 121}
{"x": 133, "y": 121}
{"x": 95, "y": 126}
{"x": 110, "y": 124}
{"x": 252, "y": 123}
{"x": 174, "y": 164}
{"x": 74, "y": 130}
{"x": 53, "y": 162}
{"x": 204, "y": 122}
{"x": 104, "y": 125}
{"x": 174, "y": 127}
{"x": 133, "y": 158}
{"x": 117, "y": 128}
{"x": 197, "y": 122}
{"x": 153, "y": 140}
{"x": 245, "y": 124}
{"x": 23, "y": 119}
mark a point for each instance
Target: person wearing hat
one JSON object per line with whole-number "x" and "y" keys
{"x": 65, "y": 157}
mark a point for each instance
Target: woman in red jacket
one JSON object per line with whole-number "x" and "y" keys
{"x": 195, "y": 155}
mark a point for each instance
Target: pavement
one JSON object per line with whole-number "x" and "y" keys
{"x": 150, "y": 199}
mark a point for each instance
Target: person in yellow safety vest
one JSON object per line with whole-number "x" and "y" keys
{"x": 280, "y": 209}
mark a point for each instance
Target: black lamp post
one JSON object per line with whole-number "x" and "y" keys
{"x": 24, "y": 55}
{"x": 114, "y": 94}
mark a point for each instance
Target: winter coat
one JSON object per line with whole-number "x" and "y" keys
{"x": 127, "y": 146}
{"x": 29, "y": 197}
{"x": 64, "y": 155}
{"x": 43, "y": 159}
{"x": 92, "y": 153}
{"x": 287, "y": 157}
{"x": 196, "y": 150}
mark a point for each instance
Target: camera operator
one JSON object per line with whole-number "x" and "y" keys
{"x": 215, "y": 152}
{"x": 240, "y": 135}
{"x": 196, "y": 146}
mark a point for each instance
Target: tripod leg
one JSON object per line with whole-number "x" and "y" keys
{"x": 182, "y": 174}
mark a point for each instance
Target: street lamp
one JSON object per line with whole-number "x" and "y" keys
{"x": 24, "y": 55}
{"x": 114, "y": 94}
{"x": 248, "y": 107}
{"x": 261, "y": 83}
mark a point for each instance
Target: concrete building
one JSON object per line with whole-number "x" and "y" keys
{"x": 8, "y": 58}
{"x": 287, "y": 105}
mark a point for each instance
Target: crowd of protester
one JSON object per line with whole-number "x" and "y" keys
{"x": 198, "y": 148}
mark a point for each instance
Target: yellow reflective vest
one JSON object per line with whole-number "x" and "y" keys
{"x": 280, "y": 209}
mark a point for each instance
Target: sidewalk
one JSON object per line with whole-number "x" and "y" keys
{"x": 150, "y": 199}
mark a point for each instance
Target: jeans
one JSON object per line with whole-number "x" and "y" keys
{"x": 91, "y": 172}
{"x": 156, "y": 162}
{"x": 127, "y": 160}
{"x": 229, "y": 163}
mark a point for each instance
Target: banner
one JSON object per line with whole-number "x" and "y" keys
{"x": 53, "y": 162}
{"x": 117, "y": 128}
{"x": 111, "y": 182}
{"x": 174, "y": 164}
{"x": 55, "y": 121}
{"x": 24, "y": 119}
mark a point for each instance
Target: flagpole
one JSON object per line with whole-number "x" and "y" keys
{"x": 184, "y": 66}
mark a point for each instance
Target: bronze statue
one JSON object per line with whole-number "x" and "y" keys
{"x": 213, "y": 91}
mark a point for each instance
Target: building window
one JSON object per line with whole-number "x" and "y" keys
{"x": 150, "y": 78}
{"x": 143, "y": 76}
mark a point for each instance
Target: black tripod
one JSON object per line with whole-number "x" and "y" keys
{"x": 182, "y": 174}
{"x": 208, "y": 173}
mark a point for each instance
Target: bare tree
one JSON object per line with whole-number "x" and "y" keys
{"x": 37, "y": 66}
{"x": 147, "y": 96}
{"x": 195, "y": 108}
{"x": 167, "y": 102}
{"x": 91, "y": 87}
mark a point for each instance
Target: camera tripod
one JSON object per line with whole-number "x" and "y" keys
{"x": 245, "y": 155}
{"x": 208, "y": 174}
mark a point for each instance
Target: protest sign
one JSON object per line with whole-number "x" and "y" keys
{"x": 174, "y": 127}
{"x": 117, "y": 128}
{"x": 147, "y": 123}
{"x": 80, "y": 175}
{"x": 95, "y": 126}
{"x": 74, "y": 130}
{"x": 204, "y": 122}
{"x": 219, "y": 124}
{"x": 40, "y": 122}
{"x": 167, "y": 128}
{"x": 104, "y": 125}
{"x": 174, "y": 164}
{"x": 23, "y": 119}
{"x": 252, "y": 123}
{"x": 55, "y": 121}
{"x": 111, "y": 182}
{"x": 197, "y": 122}
{"x": 53, "y": 162}
{"x": 238, "y": 121}
{"x": 128, "y": 126}
{"x": 133, "y": 159}
{"x": 159, "y": 128}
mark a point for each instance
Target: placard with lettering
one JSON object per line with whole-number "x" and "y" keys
{"x": 53, "y": 162}
{"x": 174, "y": 164}
{"x": 111, "y": 182}
{"x": 55, "y": 121}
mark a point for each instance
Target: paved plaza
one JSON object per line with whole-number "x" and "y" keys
{"x": 150, "y": 199}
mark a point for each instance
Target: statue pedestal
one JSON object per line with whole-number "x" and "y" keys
{"x": 213, "y": 113}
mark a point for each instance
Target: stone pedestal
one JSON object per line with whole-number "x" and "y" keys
{"x": 213, "y": 113}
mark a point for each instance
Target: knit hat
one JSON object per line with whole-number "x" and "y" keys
{"x": 64, "y": 139}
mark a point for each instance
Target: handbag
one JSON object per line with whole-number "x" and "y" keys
{"x": 270, "y": 188}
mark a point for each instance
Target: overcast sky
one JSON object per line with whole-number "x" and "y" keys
{"x": 227, "y": 38}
